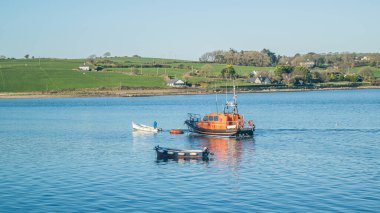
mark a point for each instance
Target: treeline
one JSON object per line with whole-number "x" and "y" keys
{"x": 113, "y": 64}
{"x": 298, "y": 75}
{"x": 266, "y": 57}
{"x": 107, "y": 63}
{"x": 246, "y": 58}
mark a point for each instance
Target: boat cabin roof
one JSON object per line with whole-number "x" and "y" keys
{"x": 216, "y": 116}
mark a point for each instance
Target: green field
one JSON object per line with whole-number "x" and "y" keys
{"x": 28, "y": 75}
{"x": 376, "y": 71}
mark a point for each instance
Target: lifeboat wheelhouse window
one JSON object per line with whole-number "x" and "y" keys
{"x": 205, "y": 118}
{"x": 215, "y": 118}
{"x": 211, "y": 118}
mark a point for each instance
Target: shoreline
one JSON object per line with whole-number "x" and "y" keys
{"x": 144, "y": 92}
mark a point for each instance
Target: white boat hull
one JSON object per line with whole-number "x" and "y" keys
{"x": 142, "y": 127}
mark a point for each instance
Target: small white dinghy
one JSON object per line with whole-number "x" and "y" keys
{"x": 142, "y": 127}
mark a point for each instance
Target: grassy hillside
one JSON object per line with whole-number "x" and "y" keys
{"x": 175, "y": 68}
{"x": 27, "y": 75}
{"x": 24, "y": 75}
{"x": 376, "y": 71}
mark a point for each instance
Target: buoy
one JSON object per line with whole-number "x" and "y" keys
{"x": 176, "y": 131}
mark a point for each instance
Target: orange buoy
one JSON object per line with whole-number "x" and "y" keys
{"x": 176, "y": 131}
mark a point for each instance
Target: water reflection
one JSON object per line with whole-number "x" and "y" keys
{"x": 136, "y": 133}
{"x": 184, "y": 160}
{"x": 228, "y": 150}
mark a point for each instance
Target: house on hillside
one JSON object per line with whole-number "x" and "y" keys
{"x": 176, "y": 83}
{"x": 260, "y": 80}
{"x": 307, "y": 64}
{"x": 85, "y": 67}
{"x": 365, "y": 58}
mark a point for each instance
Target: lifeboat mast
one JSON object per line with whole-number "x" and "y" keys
{"x": 232, "y": 104}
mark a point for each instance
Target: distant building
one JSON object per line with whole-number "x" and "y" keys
{"x": 176, "y": 83}
{"x": 260, "y": 80}
{"x": 84, "y": 67}
{"x": 308, "y": 64}
{"x": 365, "y": 58}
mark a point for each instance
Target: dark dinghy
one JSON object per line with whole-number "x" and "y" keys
{"x": 168, "y": 153}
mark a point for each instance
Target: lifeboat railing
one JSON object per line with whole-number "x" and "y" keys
{"x": 247, "y": 124}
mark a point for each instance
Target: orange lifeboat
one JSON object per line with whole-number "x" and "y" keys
{"x": 176, "y": 131}
{"x": 228, "y": 123}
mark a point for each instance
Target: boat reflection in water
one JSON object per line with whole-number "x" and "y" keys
{"x": 184, "y": 160}
{"x": 228, "y": 150}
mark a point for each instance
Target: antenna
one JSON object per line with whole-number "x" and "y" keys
{"x": 216, "y": 99}
{"x": 226, "y": 91}
{"x": 235, "y": 96}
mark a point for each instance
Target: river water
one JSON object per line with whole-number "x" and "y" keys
{"x": 311, "y": 151}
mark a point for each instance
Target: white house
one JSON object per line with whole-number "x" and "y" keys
{"x": 176, "y": 83}
{"x": 84, "y": 67}
{"x": 365, "y": 58}
{"x": 260, "y": 80}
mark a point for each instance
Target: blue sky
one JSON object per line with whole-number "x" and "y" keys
{"x": 185, "y": 29}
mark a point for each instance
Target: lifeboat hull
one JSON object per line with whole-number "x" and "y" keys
{"x": 234, "y": 133}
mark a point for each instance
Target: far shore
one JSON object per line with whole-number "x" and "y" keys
{"x": 140, "y": 92}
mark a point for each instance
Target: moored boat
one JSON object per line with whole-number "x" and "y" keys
{"x": 228, "y": 123}
{"x": 169, "y": 153}
{"x": 142, "y": 127}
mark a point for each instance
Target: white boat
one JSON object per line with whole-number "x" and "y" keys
{"x": 142, "y": 127}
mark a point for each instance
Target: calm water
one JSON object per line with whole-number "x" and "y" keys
{"x": 315, "y": 151}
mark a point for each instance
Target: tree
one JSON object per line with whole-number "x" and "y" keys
{"x": 228, "y": 71}
{"x": 213, "y": 56}
{"x": 302, "y": 72}
{"x": 347, "y": 61}
{"x": 2, "y": 57}
{"x": 283, "y": 73}
{"x": 98, "y": 68}
{"x": 271, "y": 55}
{"x": 180, "y": 66}
{"x": 26, "y": 56}
{"x": 297, "y": 59}
{"x": 283, "y": 69}
{"x": 297, "y": 81}
{"x": 93, "y": 56}
{"x": 206, "y": 70}
{"x": 107, "y": 54}
{"x": 205, "y": 57}
{"x": 316, "y": 77}
{"x": 367, "y": 74}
